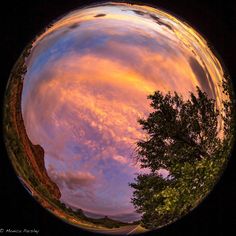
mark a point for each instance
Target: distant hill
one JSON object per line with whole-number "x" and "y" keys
{"x": 104, "y": 221}
{"x": 107, "y": 222}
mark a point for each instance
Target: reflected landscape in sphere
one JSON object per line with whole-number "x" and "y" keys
{"x": 119, "y": 118}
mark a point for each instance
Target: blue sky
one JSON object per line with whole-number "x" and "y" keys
{"x": 87, "y": 85}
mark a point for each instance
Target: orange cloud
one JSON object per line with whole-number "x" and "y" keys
{"x": 87, "y": 84}
{"x": 120, "y": 159}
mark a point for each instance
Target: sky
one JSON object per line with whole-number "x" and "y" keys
{"x": 87, "y": 81}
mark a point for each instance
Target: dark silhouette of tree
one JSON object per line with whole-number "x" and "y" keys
{"x": 183, "y": 137}
{"x": 228, "y": 115}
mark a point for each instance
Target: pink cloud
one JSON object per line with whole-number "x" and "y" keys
{"x": 164, "y": 173}
{"x": 120, "y": 159}
{"x": 81, "y": 104}
{"x": 72, "y": 180}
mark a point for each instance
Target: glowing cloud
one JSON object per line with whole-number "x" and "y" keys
{"x": 86, "y": 85}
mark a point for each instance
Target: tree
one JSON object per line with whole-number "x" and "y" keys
{"x": 80, "y": 214}
{"x": 183, "y": 138}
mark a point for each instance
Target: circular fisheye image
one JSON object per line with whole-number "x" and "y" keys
{"x": 118, "y": 118}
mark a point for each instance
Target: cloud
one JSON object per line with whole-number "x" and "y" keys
{"x": 202, "y": 76}
{"x": 72, "y": 180}
{"x": 100, "y": 15}
{"x": 164, "y": 173}
{"x": 120, "y": 159}
{"x": 86, "y": 86}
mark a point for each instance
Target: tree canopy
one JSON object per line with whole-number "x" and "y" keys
{"x": 182, "y": 137}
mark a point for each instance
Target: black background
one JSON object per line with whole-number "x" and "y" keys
{"x": 21, "y": 21}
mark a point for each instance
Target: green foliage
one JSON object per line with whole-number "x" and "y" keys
{"x": 183, "y": 138}
{"x": 178, "y": 131}
{"x": 228, "y": 114}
